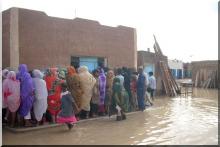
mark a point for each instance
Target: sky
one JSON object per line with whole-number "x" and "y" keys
{"x": 186, "y": 30}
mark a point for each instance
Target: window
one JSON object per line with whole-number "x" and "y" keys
{"x": 91, "y": 62}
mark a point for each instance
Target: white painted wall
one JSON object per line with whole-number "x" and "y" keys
{"x": 175, "y": 64}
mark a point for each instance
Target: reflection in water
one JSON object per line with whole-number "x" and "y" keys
{"x": 191, "y": 120}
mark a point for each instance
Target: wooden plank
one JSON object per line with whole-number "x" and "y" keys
{"x": 209, "y": 80}
{"x": 196, "y": 81}
{"x": 169, "y": 83}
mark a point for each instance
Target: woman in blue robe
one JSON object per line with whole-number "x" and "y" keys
{"x": 26, "y": 92}
{"x": 141, "y": 89}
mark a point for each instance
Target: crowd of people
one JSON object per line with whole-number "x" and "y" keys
{"x": 31, "y": 98}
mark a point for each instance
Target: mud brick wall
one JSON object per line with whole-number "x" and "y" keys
{"x": 6, "y": 39}
{"x": 205, "y": 67}
{"x": 46, "y": 41}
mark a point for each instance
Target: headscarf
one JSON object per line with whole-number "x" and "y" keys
{"x": 71, "y": 71}
{"x": 53, "y": 71}
{"x": 110, "y": 78}
{"x": 62, "y": 74}
{"x": 23, "y": 72}
{"x": 117, "y": 90}
{"x": 22, "y": 69}
{"x": 11, "y": 75}
{"x": 37, "y": 74}
{"x": 110, "y": 74}
{"x": 27, "y": 90}
{"x": 116, "y": 85}
{"x": 50, "y": 77}
{"x": 4, "y": 73}
{"x": 83, "y": 69}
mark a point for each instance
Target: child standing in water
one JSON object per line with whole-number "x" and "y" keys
{"x": 66, "y": 115}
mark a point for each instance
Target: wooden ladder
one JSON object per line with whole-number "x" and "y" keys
{"x": 167, "y": 80}
{"x": 169, "y": 83}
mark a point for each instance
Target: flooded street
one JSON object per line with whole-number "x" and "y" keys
{"x": 192, "y": 120}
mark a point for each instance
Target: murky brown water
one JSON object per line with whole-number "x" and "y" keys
{"x": 170, "y": 121}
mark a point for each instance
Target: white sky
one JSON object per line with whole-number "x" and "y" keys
{"x": 185, "y": 29}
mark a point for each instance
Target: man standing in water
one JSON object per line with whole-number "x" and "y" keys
{"x": 141, "y": 89}
{"x": 152, "y": 85}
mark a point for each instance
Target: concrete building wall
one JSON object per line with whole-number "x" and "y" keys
{"x": 14, "y": 38}
{"x": 49, "y": 41}
{"x": 187, "y": 67}
{"x": 145, "y": 58}
{"x": 177, "y": 66}
{"x": 207, "y": 66}
{"x": 6, "y": 39}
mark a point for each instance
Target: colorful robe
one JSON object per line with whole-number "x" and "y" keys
{"x": 54, "y": 91}
{"x": 74, "y": 85}
{"x": 133, "y": 86}
{"x": 117, "y": 96}
{"x": 4, "y": 76}
{"x": 109, "y": 85}
{"x": 26, "y": 90}
{"x": 40, "y": 103}
{"x": 96, "y": 93}
{"x": 88, "y": 82}
{"x": 102, "y": 86}
{"x": 141, "y": 89}
{"x": 11, "y": 92}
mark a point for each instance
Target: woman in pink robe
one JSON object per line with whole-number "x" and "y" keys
{"x": 11, "y": 93}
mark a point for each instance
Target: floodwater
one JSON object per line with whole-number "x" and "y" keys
{"x": 186, "y": 121}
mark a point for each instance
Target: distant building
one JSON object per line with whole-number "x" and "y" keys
{"x": 187, "y": 70}
{"x": 41, "y": 41}
{"x": 176, "y": 67}
{"x": 203, "y": 71}
{"x": 148, "y": 61}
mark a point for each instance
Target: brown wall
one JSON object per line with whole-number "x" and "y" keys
{"x": 148, "y": 57}
{"x": 207, "y": 66}
{"x": 6, "y": 39}
{"x": 49, "y": 41}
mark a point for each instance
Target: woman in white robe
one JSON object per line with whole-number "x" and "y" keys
{"x": 40, "y": 102}
{"x": 88, "y": 82}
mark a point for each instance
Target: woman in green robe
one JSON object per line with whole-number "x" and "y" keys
{"x": 118, "y": 100}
